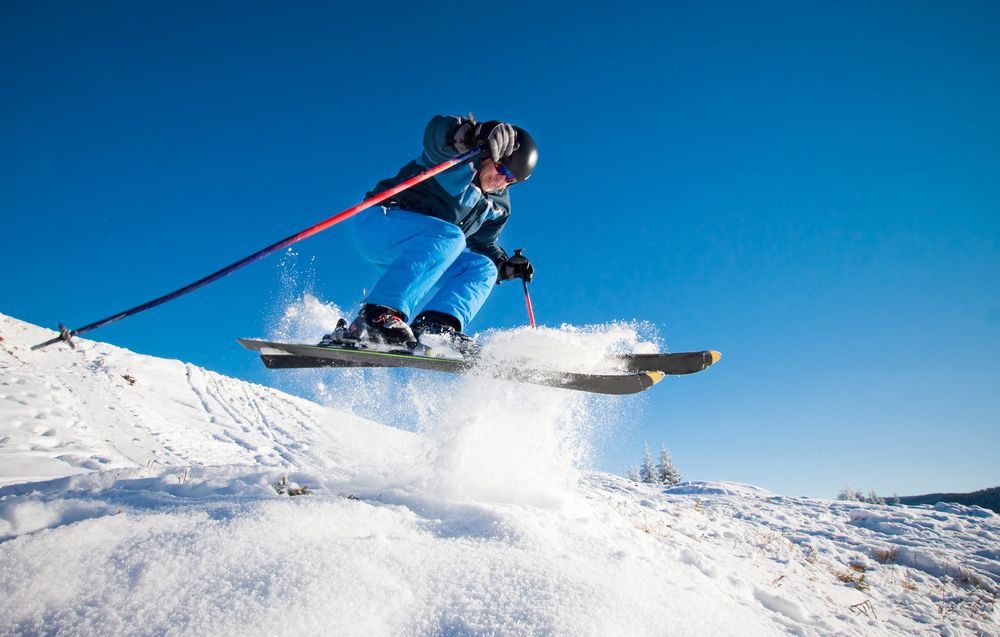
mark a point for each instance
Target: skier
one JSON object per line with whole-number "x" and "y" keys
{"x": 443, "y": 232}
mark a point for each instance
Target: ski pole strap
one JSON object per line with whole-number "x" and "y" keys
{"x": 66, "y": 335}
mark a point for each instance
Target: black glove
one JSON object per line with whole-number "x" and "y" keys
{"x": 516, "y": 267}
{"x": 466, "y": 136}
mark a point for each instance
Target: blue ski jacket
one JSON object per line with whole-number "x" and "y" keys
{"x": 454, "y": 196}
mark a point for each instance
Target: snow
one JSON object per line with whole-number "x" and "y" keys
{"x": 146, "y": 506}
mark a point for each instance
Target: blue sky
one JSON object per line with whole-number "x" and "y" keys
{"x": 812, "y": 189}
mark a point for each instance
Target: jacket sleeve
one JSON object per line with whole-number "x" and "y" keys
{"x": 484, "y": 240}
{"x": 437, "y": 136}
{"x": 457, "y": 181}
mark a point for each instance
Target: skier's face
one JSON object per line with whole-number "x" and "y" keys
{"x": 489, "y": 178}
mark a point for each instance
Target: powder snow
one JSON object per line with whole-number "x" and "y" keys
{"x": 144, "y": 496}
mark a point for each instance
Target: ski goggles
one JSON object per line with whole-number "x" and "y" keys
{"x": 511, "y": 179}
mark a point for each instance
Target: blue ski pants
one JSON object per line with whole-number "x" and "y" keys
{"x": 415, "y": 252}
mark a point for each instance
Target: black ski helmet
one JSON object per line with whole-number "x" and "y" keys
{"x": 521, "y": 163}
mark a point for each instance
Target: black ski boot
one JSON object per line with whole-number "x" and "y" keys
{"x": 446, "y": 329}
{"x": 374, "y": 324}
{"x": 336, "y": 337}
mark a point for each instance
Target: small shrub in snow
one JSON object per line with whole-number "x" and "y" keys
{"x": 659, "y": 528}
{"x": 848, "y": 494}
{"x": 852, "y": 576}
{"x": 284, "y": 488}
{"x": 865, "y": 608}
{"x": 885, "y": 556}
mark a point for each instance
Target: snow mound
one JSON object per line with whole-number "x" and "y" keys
{"x": 695, "y": 487}
{"x": 184, "y": 502}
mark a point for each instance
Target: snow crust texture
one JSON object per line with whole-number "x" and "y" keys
{"x": 161, "y": 505}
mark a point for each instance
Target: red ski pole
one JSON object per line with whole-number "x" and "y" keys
{"x": 66, "y": 335}
{"x": 527, "y": 298}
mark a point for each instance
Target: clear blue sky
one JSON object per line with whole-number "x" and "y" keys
{"x": 811, "y": 188}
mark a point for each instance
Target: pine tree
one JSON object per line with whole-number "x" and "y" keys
{"x": 647, "y": 473}
{"x": 632, "y": 473}
{"x": 665, "y": 471}
{"x": 849, "y": 494}
{"x": 873, "y": 498}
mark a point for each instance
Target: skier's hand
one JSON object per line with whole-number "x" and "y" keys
{"x": 498, "y": 138}
{"x": 516, "y": 267}
{"x": 466, "y": 136}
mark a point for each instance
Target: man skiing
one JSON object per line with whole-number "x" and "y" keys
{"x": 441, "y": 232}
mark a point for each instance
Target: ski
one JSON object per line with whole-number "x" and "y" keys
{"x": 632, "y": 381}
{"x": 670, "y": 364}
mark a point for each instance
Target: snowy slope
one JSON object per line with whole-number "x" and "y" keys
{"x": 73, "y": 411}
{"x": 147, "y": 508}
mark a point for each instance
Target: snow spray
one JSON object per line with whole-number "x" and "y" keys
{"x": 484, "y": 439}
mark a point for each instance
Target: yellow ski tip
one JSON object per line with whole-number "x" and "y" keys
{"x": 655, "y": 376}
{"x": 715, "y": 356}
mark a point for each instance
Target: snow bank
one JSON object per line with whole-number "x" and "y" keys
{"x": 162, "y": 505}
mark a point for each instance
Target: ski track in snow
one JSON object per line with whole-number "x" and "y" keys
{"x": 147, "y": 509}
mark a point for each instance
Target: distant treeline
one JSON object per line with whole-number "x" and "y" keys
{"x": 986, "y": 498}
